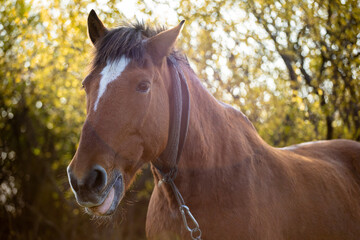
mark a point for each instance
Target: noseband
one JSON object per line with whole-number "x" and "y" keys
{"x": 166, "y": 163}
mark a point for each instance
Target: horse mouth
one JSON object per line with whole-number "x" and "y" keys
{"x": 110, "y": 201}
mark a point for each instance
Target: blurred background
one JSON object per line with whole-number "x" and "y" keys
{"x": 292, "y": 66}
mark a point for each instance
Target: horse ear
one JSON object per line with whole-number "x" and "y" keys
{"x": 96, "y": 28}
{"x": 160, "y": 45}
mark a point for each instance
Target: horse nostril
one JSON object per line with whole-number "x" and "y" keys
{"x": 97, "y": 178}
{"x": 72, "y": 180}
{"x": 74, "y": 184}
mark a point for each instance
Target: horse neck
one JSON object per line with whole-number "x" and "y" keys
{"x": 219, "y": 138}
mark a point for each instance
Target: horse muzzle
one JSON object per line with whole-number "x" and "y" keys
{"x": 98, "y": 193}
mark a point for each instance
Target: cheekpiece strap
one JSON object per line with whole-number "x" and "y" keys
{"x": 179, "y": 122}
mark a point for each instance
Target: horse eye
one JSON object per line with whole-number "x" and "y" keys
{"x": 143, "y": 87}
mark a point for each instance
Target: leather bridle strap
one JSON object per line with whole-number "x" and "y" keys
{"x": 166, "y": 163}
{"x": 179, "y": 121}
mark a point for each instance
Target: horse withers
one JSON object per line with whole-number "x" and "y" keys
{"x": 236, "y": 185}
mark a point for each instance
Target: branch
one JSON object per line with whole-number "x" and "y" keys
{"x": 287, "y": 60}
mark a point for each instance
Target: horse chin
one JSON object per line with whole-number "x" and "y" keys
{"x": 110, "y": 201}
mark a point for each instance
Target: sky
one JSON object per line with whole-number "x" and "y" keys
{"x": 131, "y": 10}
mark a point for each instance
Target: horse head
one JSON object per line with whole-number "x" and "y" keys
{"x": 127, "y": 120}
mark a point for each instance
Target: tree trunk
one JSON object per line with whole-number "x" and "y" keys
{"x": 329, "y": 127}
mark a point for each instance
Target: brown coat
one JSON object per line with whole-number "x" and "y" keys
{"x": 239, "y": 187}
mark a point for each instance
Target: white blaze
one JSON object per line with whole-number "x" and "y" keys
{"x": 111, "y": 71}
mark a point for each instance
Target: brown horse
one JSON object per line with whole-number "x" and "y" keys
{"x": 236, "y": 185}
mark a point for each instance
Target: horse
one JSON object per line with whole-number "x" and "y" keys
{"x": 215, "y": 177}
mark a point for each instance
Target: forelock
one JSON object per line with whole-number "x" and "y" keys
{"x": 127, "y": 40}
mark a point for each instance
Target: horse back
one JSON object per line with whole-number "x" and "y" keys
{"x": 326, "y": 181}
{"x": 338, "y": 151}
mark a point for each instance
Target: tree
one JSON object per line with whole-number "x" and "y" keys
{"x": 319, "y": 44}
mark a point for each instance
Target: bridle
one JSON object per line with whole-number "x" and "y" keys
{"x": 166, "y": 163}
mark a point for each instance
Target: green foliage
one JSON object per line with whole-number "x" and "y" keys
{"x": 291, "y": 66}
{"x": 319, "y": 44}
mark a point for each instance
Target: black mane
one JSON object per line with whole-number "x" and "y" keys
{"x": 125, "y": 40}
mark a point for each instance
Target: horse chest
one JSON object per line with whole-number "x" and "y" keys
{"x": 161, "y": 221}
{"x": 215, "y": 222}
